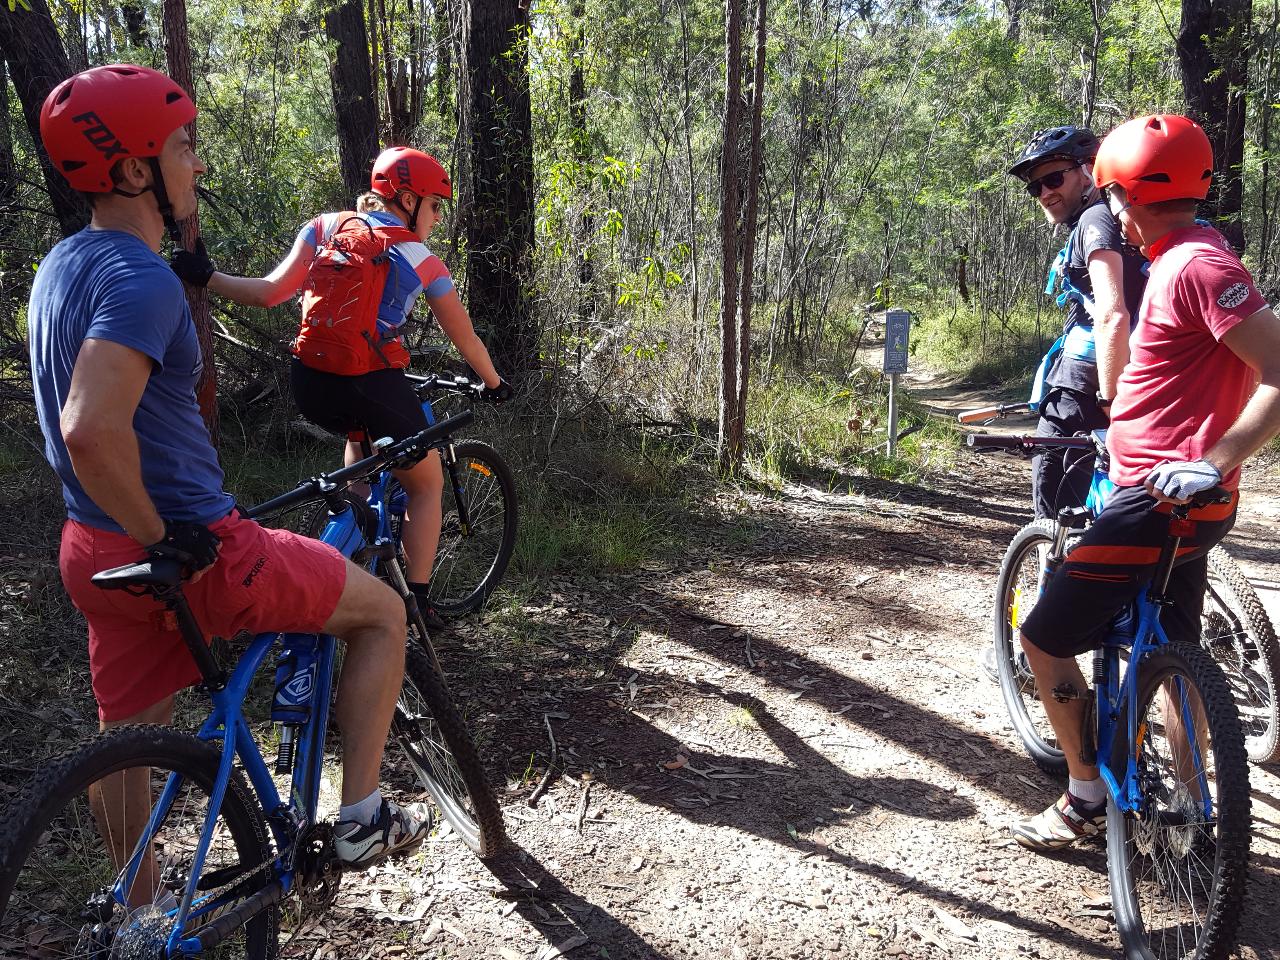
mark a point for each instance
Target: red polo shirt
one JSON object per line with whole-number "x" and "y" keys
{"x": 1183, "y": 388}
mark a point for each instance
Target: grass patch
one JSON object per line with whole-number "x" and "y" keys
{"x": 985, "y": 349}
{"x": 800, "y": 424}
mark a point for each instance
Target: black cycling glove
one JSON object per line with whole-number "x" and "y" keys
{"x": 193, "y": 545}
{"x": 497, "y": 395}
{"x": 193, "y": 266}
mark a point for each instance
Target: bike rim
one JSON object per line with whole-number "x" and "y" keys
{"x": 61, "y": 901}
{"x": 1252, "y": 688}
{"x": 1171, "y": 848}
{"x": 466, "y": 558}
{"x": 1020, "y": 598}
{"x": 433, "y": 763}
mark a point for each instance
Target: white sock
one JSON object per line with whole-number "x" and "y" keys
{"x": 1087, "y": 791}
{"x": 365, "y": 810}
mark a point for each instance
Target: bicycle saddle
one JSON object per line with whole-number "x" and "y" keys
{"x": 144, "y": 574}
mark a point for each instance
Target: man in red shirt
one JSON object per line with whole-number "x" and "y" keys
{"x": 1200, "y": 394}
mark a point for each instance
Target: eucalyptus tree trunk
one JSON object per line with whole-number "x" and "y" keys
{"x": 1214, "y": 44}
{"x": 177, "y": 50}
{"x": 499, "y": 126}
{"x": 582, "y": 153}
{"x": 444, "y": 59}
{"x": 37, "y": 63}
{"x": 135, "y": 22}
{"x": 749, "y": 225}
{"x": 354, "y": 100}
{"x": 730, "y": 453}
{"x": 8, "y": 170}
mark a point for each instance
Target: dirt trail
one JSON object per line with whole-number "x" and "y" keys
{"x": 778, "y": 748}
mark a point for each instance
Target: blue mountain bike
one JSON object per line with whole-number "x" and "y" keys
{"x": 1164, "y": 731}
{"x": 201, "y": 844}
{"x": 478, "y": 510}
{"x": 1237, "y": 632}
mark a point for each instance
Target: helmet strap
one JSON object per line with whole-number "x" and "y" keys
{"x": 412, "y": 222}
{"x": 162, "y": 201}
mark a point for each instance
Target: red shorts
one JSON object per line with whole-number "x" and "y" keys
{"x": 263, "y": 580}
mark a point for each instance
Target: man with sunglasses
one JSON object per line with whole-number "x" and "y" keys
{"x": 1101, "y": 283}
{"x": 1199, "y": 395}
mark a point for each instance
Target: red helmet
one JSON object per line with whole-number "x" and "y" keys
{"x": 403, "y": 168}
{"x": 1162, "y": 157}
{"x": 95, "y": 118}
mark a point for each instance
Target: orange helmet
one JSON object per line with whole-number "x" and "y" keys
{"x": 403, "y": 168}
{"x": 1161, "y": 157}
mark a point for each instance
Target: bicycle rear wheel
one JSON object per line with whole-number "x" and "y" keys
{"x": 441, "y": 753}
{"x": 1017, "y": 590}
{"x": 1239, "y": 635}
{"x": 473, "y": 553}
{"x": 1178, "y": 868}
{"x": 61, "y": 853}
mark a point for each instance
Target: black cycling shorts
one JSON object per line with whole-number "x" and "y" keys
{"x": 1115, "y": 558}
{"x": 380, "y": 404}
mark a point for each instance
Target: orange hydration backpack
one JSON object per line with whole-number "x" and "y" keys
{"x": 339, "y": 332}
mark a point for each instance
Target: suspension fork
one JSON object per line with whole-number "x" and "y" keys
{"x": 450, "y": 456}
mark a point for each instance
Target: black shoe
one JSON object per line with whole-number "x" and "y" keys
{"x": 431, "y": 618}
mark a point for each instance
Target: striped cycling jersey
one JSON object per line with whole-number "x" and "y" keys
{"x": 414, "y": 268}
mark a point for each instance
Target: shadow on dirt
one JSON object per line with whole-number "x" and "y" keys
{"x": 563, "y": 917}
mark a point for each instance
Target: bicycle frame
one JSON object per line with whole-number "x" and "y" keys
{"x": 215, "y": 915}
{"x": 1115, "y": 691}
{"x": 286, "y": 820}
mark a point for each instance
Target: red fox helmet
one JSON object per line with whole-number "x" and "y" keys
{"x": 98, "y": 117}
{"x": 403, "y": 168}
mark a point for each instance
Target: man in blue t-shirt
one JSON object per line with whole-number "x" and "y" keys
{"x": 115, "y": 362}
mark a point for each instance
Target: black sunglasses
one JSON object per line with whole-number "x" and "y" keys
{"x": 1051, "y": 180}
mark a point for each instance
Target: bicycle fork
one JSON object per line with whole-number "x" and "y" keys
{"x": 464, "y": 513}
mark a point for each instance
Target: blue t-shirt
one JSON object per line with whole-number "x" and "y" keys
{"x": 107, "y": 285}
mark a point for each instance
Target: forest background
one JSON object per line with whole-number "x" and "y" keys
{"x": 672, "y": 217}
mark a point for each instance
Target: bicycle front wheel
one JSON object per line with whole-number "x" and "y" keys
{"x": 1017, "y": 590}
{"x": 74, "y": 832}
{"x": 442, "y": 755}
{"x": 1178, "y": 865}
{"x": 1239, "y": 635}
{"x": 478, "y": 529}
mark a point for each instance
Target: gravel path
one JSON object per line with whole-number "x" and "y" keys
{"x": 778, "y": 748}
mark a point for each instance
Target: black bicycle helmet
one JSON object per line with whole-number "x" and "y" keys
{"x": 1066, "y": 143}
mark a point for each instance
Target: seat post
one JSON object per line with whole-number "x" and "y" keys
{"x": 215, "y": 678}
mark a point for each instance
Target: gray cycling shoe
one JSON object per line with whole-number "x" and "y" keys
{"x": 394, "y": 830}
{"x": 987, "y": 664}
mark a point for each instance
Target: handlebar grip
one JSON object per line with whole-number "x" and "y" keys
{"x": 977, "y": 416}
{"x": 995, "y": 440}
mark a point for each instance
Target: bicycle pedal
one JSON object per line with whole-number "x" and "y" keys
{"x": 1066, "y": 692}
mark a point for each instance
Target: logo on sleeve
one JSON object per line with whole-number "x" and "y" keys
{"x": 1092, "y": 235}
{"x": 1234, "y": 295}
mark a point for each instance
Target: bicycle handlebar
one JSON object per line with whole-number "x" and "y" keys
{"x": 985, "y": 414}
{"x": 435, "y": 384}
{"x": 407, "y": 451}
{"x": 1026, "y": 443}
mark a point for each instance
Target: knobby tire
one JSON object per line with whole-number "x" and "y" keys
{"x": 51, "y": 817}
{"x": 1241, "y": 638}
{"x": 1172, "y": 849}
{"x": 434, "y": 738}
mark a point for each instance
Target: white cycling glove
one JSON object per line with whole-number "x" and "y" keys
{"x": 1181, "y": 481}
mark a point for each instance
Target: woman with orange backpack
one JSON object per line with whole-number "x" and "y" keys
{"x": 360, "y": 273}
